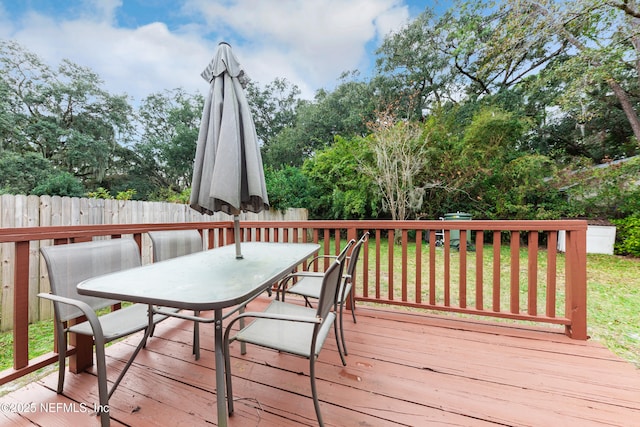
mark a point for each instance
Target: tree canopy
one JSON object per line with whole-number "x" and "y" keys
{"x": 487, "y": 107}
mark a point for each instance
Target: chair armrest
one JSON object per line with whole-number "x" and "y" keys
{"x": 91, "y": 316}
{"x": 242, "y": 306}
{"x": 317, "y": 258}
{"x": 276, "y": 316}
{"x": 282, "y": 286}
{"x": 272, "y": 316}
{"x": 307, "y": 274}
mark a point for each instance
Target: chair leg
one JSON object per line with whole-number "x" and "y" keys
{"x": 341, "y": 315}
{"x": 103, "y": 394}
{"x": 151, "y": 330}
{"x": 62, "y": 357}
{"x": 340, "y": 349}
{"x": 227, "y": 373}
{"x": 353, "y": 306}
{"x": 314, "y": 391}
{"x": 196, "y": 336}
{"x": 243, "y": 345}
{"x": 307, "y": 302}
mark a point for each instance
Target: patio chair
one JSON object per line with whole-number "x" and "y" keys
{"x": 290, "y": 328}
{"x": 69, "y": 265}
{"x": 174, "y": 243}
{"x": 309, "y": 284}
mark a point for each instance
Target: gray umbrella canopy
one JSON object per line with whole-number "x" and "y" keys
{"x": 227, "y": 172}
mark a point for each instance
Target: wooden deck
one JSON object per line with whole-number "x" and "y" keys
{"x": 403, "y": 369}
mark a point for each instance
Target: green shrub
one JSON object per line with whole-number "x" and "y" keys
{"x": 61, "y": 184}
{"x": 628, "y": 235}
{"x": 100, "y": 193}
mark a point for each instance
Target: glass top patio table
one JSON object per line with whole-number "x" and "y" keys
{"x": 208, "y": 280}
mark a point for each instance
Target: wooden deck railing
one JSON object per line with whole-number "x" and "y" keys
{"x": 509, "y": 269}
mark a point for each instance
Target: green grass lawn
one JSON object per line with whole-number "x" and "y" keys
{"x": 613, "y": 304}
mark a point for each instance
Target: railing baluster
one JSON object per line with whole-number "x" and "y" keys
{"x": 404, "y": 265}
{"x": 479, "y": 270}
{"x": 418, "y": 260}
{"x": 390, "y": 245}
{"x": 532, "y": 283}
{"x": 552, "y": 245}
{"x": 463, "y": 269}
{"x": 378, "y": 238}
{"x": 327, "y": 246}
{"x": 514, "y": 300}
{"x": 497, "y": 292}
{"x": 432, "y": 267}
{"x": 447, "y": 268}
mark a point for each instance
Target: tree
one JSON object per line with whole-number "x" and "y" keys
{"x": 61, "y": 113}
{"x": 170, "y": 124}
{"x": 413, "y": 72}
{"x": 399, "y": 152}
{"x": 21, "y": 173}
{"x": 469, "y": 51}
{"x": 287, "y": 187}
{"x": 496, "y": 48}
{"x": 273, "y": 108}
{"x": 344, "y": 112}
{"x": 605, "y": 37}
{"x": 60, "y": 184}
{"x": 477, "y": 165}
{"x": 339, "y": 189}
{"x": 488, "y": 147}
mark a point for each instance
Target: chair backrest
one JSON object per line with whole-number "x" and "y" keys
{"x": 355, "y": 253}
{"x": 330, "y": 284}
{"x": 329, "y": 291}
{"x": 72, "y": 263}
{"x": 345, "y": 251}
{"x": 174, "y": 243}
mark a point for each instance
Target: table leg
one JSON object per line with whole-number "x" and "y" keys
{"x": 220, "y": 379}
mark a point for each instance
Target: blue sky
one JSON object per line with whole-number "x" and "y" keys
{"x": 141, "y": 47}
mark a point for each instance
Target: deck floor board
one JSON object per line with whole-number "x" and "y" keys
{"x": 403, "y": 369}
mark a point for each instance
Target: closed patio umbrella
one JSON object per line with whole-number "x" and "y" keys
{"x": 227, "y": 172}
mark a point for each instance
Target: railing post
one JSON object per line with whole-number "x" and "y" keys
{"x": 576, "y": 283}
{"x": 230, "y": 239}
{"x": 21, "y": 306}
{"x": 82, "y": 359}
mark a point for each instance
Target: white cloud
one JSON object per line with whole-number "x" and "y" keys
{"x": 320, "y": 39}
{"x": 137, "y": 61}
{"x": 309, "y": 42}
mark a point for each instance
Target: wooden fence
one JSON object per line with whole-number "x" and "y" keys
{"x": 43, "y": 211}
{"x": 18, "y": 211}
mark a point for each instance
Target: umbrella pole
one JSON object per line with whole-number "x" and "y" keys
{"x": 236, "y": 235}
